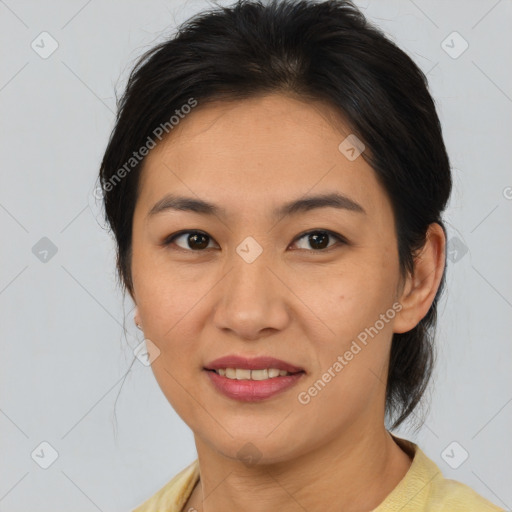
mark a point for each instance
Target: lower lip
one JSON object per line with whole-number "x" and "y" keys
{"x": 252, "y": 390}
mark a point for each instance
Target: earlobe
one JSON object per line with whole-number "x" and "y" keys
{"x": 420, "y": 288}
{"x": 136, "y": 318}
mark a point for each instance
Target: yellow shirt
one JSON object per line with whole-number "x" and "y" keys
{"x": 422, "y": 489}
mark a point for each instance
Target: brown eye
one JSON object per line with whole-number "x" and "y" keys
{"x": 316, "y": 241}
{"x": 193, "y": 240}
{"x": 319, "y": 240}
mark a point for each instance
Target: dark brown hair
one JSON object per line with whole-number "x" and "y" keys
{"x": 323, "y": 51}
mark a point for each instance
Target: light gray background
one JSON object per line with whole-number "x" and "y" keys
{"x": 64, "y": 355}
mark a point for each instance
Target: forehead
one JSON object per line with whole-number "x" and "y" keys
{"x": 258, "y": 151}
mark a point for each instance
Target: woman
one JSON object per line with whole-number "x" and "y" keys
{"x": 275, "y": 183}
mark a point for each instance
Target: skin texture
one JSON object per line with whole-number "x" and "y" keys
{"x": 295, "y": 302}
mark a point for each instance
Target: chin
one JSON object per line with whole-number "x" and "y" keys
{"x": 255, "y": 451}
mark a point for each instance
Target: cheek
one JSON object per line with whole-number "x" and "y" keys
{"x": 354, "y": 298}
{"x": 350, "y": 371}
{"x": 164, "y": 299}
{"x": 169, "y": 312}
{"x": 357, "y": 307}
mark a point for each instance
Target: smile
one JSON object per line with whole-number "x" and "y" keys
{"x": 245, "y": 374}
{"x": 253, "y": 385}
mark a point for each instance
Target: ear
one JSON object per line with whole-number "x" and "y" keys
{"x": 420, "y": 289}
{"x": 136, "y": 316}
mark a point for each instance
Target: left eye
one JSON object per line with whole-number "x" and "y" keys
{"x": 320, "y": 239}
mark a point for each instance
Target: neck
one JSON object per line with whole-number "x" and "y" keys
{"x": 355, "y": 471}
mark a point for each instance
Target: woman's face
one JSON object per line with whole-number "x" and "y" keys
{"x": 253, "y": 283}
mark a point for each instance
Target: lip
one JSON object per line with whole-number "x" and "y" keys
{"x": 252, "y": 390}
{"x": 254, "y": 363}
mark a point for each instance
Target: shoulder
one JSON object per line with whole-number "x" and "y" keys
{"x": 172, "y": 496}
{"x": 424, "y": 488}
{"x": 452, "y": 496}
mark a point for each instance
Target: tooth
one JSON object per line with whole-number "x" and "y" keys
{"x": 230, "y": 373}
{"x": 259, "y": 374}
{"x": 242, "y": 374}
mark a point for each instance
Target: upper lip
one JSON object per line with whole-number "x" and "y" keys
{"x": 252, "y": 363}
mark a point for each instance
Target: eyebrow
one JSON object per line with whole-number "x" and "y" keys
{"x": 190, "y": 204}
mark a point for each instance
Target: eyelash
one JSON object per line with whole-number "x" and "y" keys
{"x": 341, "y": 240}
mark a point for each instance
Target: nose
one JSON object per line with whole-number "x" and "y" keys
{"x": 252, "y": 299}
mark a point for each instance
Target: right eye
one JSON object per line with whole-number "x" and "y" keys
{"x": 196, "y": 240}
